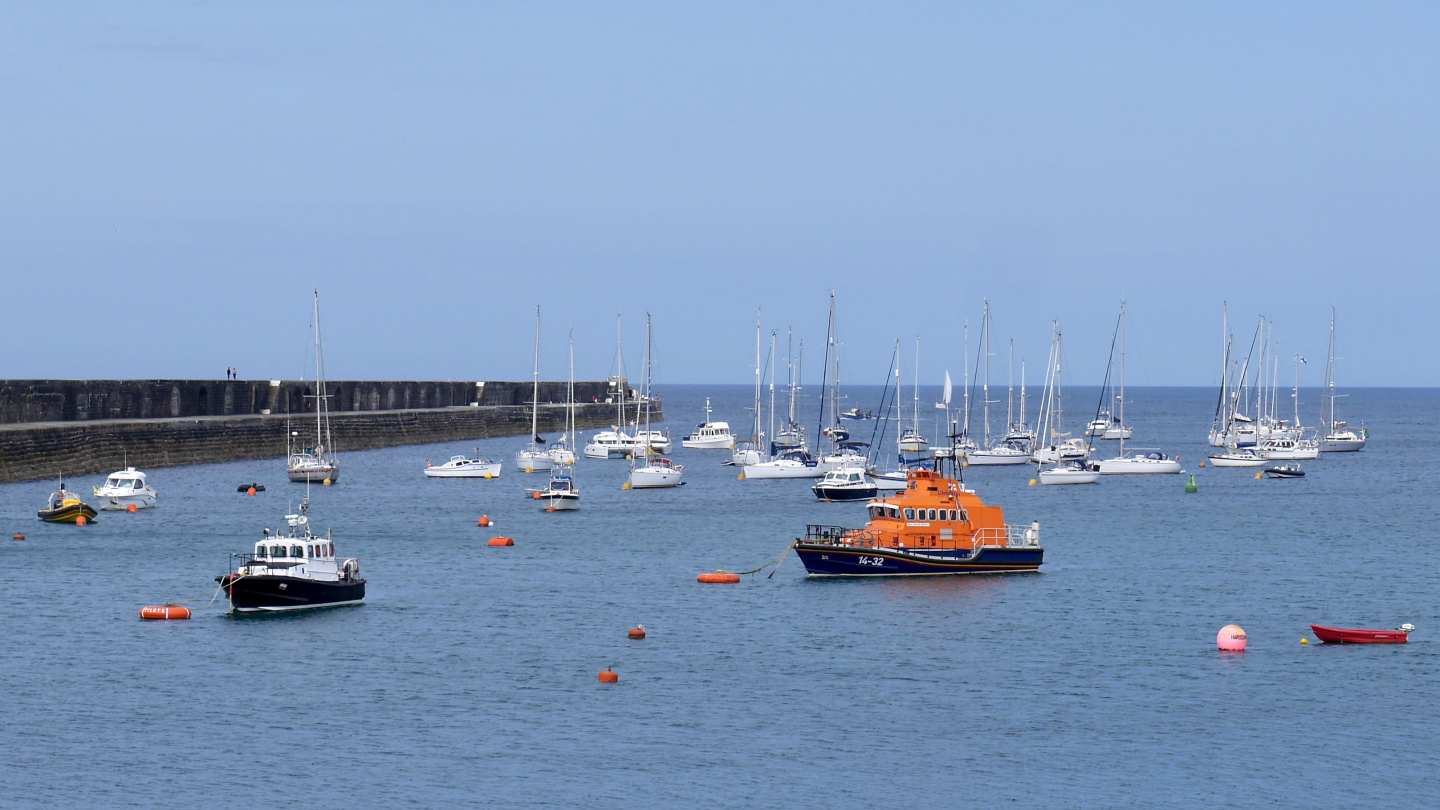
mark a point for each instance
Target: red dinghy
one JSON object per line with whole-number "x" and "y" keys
{"x": 1340, "y": 635}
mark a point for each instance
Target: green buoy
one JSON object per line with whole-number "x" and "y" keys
{"x": 1190, "y": 485}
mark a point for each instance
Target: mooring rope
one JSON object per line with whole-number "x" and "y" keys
{"x": 777, "y": 558}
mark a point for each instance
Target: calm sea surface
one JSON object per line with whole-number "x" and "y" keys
{"x": 469, "y": 677}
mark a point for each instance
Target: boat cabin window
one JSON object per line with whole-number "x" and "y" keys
{"x": 277, "y": 551}
{"x": 932, "y": 514}
{"x": 909, "y": 514}
{"x": 297, "y": 551}
{"x": 310, "y": 551}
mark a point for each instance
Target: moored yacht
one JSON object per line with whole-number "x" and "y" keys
{"x": 462, "y": 466}
{"x": 647, "y": 470}
{"x": 793, "y": 463}
{"x": 1238, "y": 457}
{"x": 845, "y": 484}
{"x": 561, "y": 494}
{"x": 1070, "y": 472}
{"x": 292, "y": 570}
{"x": 535, "y": 457}
{"x": 710, "y": 435}
{"x": 124, "y": 489}
{"x": 316, "y": 463}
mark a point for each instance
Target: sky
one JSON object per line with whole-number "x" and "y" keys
{"x": 175, "y": 179}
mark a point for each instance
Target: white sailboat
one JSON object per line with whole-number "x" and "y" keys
{"x": 652, "y": 471}
{"x": 753, "y": 450}
{"x": 1005, "y": 452}
{"x": 563, "y": 451}
{"x": 1138, "y": 460}
{"x": 535, "y": 458}
{"x": 1338, "y": 437}
{"x": 615, "y": 442}
{"x": 1067, "y": 455}
{"x": 913, "y": 444}
{"x": 317, "y": 463}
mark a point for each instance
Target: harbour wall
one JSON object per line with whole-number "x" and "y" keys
{"x": 86, "y": 443}
{"x": 24, "y": 401}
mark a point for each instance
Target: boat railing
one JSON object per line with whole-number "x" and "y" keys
{"x": 988, "y": 537}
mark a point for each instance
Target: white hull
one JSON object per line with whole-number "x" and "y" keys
{"x": 316, "y": 475}
{"x": 996, "y": 458}
{"x": 1118, "y": 433}
{"x": 1053, "y": 477}
{"x": 709, "y": 443}
{"x": 783, "y": 468}
{"x": 1139, "y": 465}
{"x": 1238, "y": 460}
{"x": 1291, "y": 454}
{"x": 605, "y": 451}
{"x": 1341, "y": 444}
{"x": 890, "y": 482}
{"x": 491, "y": 470}
{"x": 559, "y": 501}
{"x": 534, "y": 461}
{"x": 119, "y": 503}
{"x": 562, "y": 456}
{"x": 654, "y": 477}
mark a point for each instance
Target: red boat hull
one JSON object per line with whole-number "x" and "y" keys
{"x": 1339, "y": 635}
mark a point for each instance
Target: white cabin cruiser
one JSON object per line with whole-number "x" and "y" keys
{"x": 1343, "y": 440}
{"x": 561, "y": 495}
{"x": 1288, "y": 449}
{"x": 124, "y": 489}
{"x": 710, "y": 435}
{"x": 1108, "y": 426}
{"x": 463, "y": 467}
{"x": 845, "y": 484}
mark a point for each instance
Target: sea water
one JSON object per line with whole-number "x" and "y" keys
{"x": 469, "y": 676}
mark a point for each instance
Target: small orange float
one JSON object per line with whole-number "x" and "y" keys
{"x": 502, "y": 541}
{"x": 638, "y": 631}
{"x": 250, "y": 491}
{"x": 608, "y": 676}
{"x": 80, "y": 521}
{"x": 19, "y": 537}
{"x": 721, "y": 576}
{"x": 165, "y": 612}
{"x": 130, "y": 507}
{"x": 483, "y": 522}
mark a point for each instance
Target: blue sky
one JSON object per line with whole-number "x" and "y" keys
{"x": 178, "y": 176}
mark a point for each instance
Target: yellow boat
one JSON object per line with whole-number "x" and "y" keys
{"x": 65, "y": 507}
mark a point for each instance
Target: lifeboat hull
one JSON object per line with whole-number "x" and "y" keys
{"x": 1340, "y": 635}
{"x": 824, "y": 560}
{"x": 269, "y": 594}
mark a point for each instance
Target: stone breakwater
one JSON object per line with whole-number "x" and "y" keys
{"x": 38, "y": 450}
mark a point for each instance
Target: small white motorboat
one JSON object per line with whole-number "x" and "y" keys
{"x": 1284, "y": 449}
{"x": 463, "y": 467}
{"x": 710, "y": 435}
{"x": 561, "y": 495}
{"x": 124, "y": 488}
{"x": 845, "y": 484}
{"x": 1070, "y": 472}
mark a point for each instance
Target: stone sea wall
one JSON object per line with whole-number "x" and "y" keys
{"x": 30, "y": 452}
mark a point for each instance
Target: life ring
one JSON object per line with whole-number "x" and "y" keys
{"x": 351, "y": 568}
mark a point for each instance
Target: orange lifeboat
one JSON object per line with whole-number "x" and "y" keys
{"x": 933, "y": 526}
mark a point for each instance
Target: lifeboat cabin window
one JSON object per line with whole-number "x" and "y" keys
{"x": 277, "y": 551}
{"x": 909, "y": 514}
{"x": 932, "y": 514}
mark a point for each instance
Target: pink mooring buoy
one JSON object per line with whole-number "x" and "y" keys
{"x": 1231, "y": 638}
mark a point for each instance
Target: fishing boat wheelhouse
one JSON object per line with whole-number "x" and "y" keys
{"x": 933, "y": 526}
{"x": 292, "y": 570}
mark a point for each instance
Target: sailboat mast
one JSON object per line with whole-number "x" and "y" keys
{"x": 646, "y": 376}
{"x": 985, "y": 387}
{"x": 535, "y": 390}
{"x": 1010, "y": 395}
{"x": 322, "y": 416}
{"x": 915, "y": 390}
{"x": 772, "y": 387}
{"x": 1122, "y": 379}
{"x": 620, "y": 376}
{"x": 966, "y": 357}
{"x": 570, "y": 413}
{"x": 755, "y": 423}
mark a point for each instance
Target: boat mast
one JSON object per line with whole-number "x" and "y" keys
{"x": 772, "y": 388}
{"x": 824, "y": 374}
{"x": 1330, "y": 378}
{"x": 1024, "y": 428}
{"x": 899, "y": 410}
{"x": 535, "y": 391}
{"x": 645, "y": 377}
{"x": 1296, "y": 393}
{"x": 1122, "y": 379}
{"x": 620, "y": 377}
{"x": 1010, "y": 395}
{"x": 985, "y": 387}
{"x": 915, "y": 391}
{"x": 755, "y": 423}
{"x": 966, "y": 357}
{"x": 322, "y": 414}
{"x": 570, "y": 414}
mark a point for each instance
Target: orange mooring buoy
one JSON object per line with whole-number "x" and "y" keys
{"x": 535, "y": 495}
{"x": 250, "y": 491}
{"x": 721, "y": 576}
{"x": 502, "y": 541}
{"x": 608, "y": 676}
{"x": 19, "y": 537}
{"x": 638, "y": 631}
{"x": 130, "y": 507}
{"x": 81, "y": 521}
{"x": 165, "y": 612}
{"x": 483, "y": 522}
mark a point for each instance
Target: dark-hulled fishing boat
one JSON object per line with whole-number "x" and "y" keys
{"x": 292, "y": 570}
{"x": 934, "y": 526}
